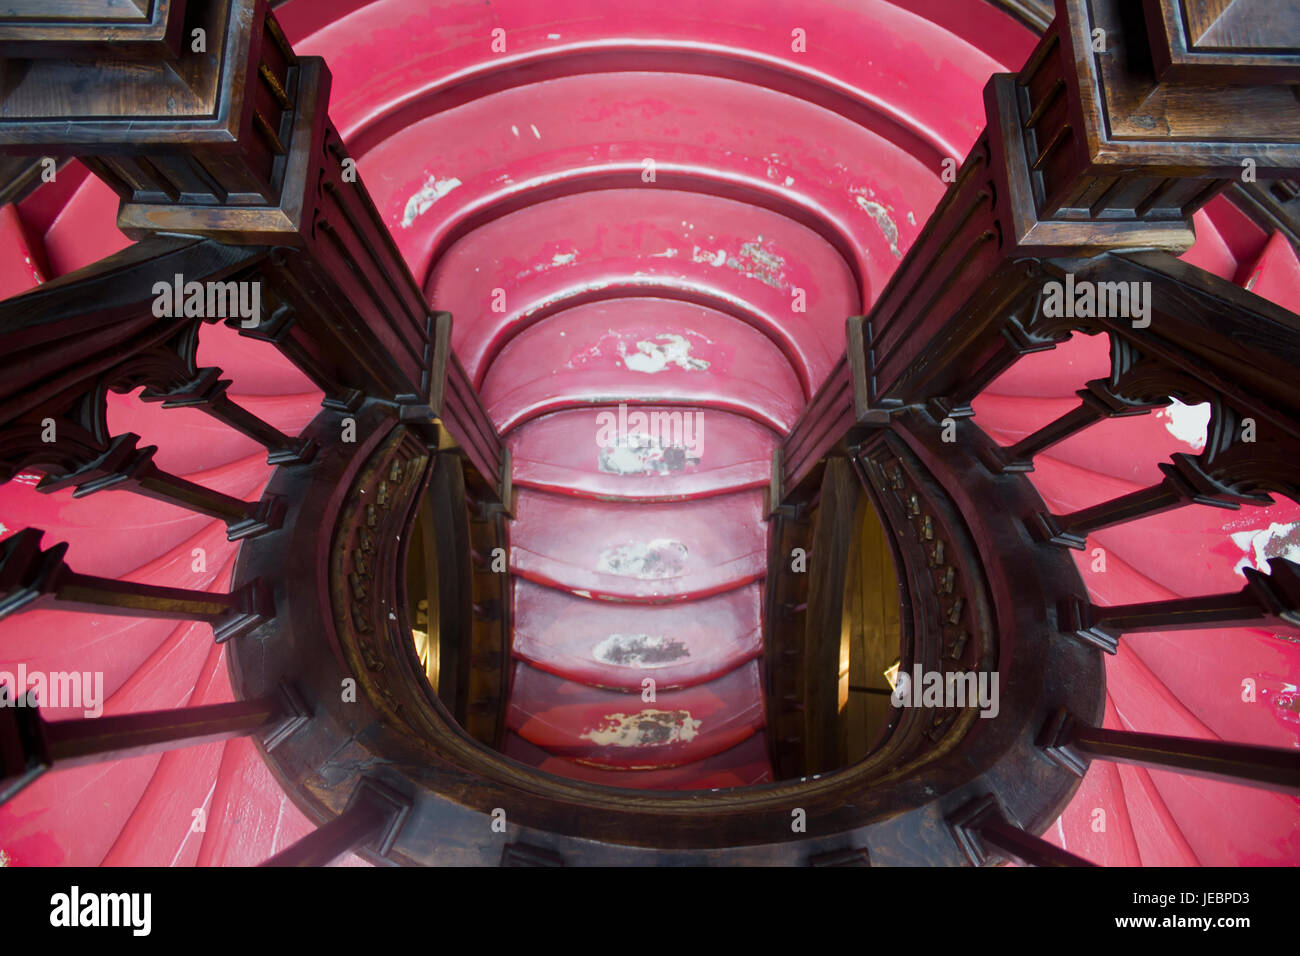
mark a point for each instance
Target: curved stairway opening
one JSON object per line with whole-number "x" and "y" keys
{"x": 649, "y": 227}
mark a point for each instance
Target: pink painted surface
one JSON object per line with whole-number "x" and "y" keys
{"x": 782, "y": 179}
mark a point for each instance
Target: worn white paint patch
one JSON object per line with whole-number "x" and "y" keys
{"x": 558, "y": 259}
{"x": 712, "y": 258}
{"x": 1275, "y": 541}
{"x": 640, "y": 454}
{"x": 789, "y": 181}
{"x": 514, "y": 129}
{"x": 649, "y": 728}
{"x": 768, "y": 267}
{"x": 552, "y": 36}
{"x": 661, "y": 352}
{"x": 666, "y": 254}
{"x": 658, "y": 558}
{"x": 1187, "y": 423}
{"x": 645, "y": 651}
{"x": 534, "y": 129}
{"x": 752, "y": 261}
{"x": 883, "y": 220}
{"x": 428, "y": 194}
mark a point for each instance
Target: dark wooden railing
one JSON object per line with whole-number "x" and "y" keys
{"x": 30, "y": 745}
{"x": 229, "y": 172}
{"x": 1089, "y": 171}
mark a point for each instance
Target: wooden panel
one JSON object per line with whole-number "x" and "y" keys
{"x": 872, "y": 633}
{"x": 1231, "y": 41}
{"x": 92, "y": 28}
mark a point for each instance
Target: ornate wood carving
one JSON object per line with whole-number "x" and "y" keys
{"x": 246, "y": 154}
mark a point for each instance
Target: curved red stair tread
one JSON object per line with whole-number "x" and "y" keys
{"x": 108, "y": 644}
{"x": 20, "y": 262}
{"x": 1096, "y": 825}
{"x": 617, "y": 645}
{"x": 644, "y": 351}
{"x": 1198, "y": 552}
{"x": 617, "y": 729}
{"x": 189, "y": 441}
{"x": 1276, "y": 274}
{"x": 110, "y": 531}
{"x": 1211, "y": 251}
{"x": 735, "y": 257}
{"x": 384, "y": 52}
{"x": 155, "y": 834}
{"x": 1191, "y": 664}
{"x": 1128, "y": 448}
{"x": 55, "y": 804}
{"x": 1056, "y": 373}
{"x": 640, "y": 552}
{"x": 84, "y": 230}
{"x": 1264, "y": 826}
{"x": 1135, "y": 827}
{"x": 254, "y": 367}
{"x": 447, "y": 169}
{"x": 743, "y": 765}
{"x": 562, "y": 453}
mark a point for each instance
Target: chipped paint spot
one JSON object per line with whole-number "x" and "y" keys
{"x": 886, "y": 222}
{"x": 789, "y": 181}
{"x": 640, "y": 650}
{"x": 770, "y": 264}
{"x": 658, "y": 354}
{"x": 534, "y": 129}
{"x": 712, "y": 258}
{"x": 639, "y": 454}
{"x": 1275, "y": 541}
{"x": 552, "y": 36}
{"x": 558, "y": 259}
{"x": 753, "y": 261}
{"x": 1187, "y": 423}
{"x": 428, "y": 194}
{"x": 659, "y": 558}
{"x": 666, "y": 254}
{"x": 649, "y": 728}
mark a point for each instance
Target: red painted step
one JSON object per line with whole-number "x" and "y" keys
{"x": 433, "y": 115}
{"x": 698, "y": 452}
{"x": 743, "y": 765}
{"x": 648, "y": 351}
{"x": 618, "y": 645}
{"x": 640, "y": 552}
{"x": 752, "y": 263}
{"x": 621, "y": 730}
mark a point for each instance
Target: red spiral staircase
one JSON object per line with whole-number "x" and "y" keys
{"x": 789, "y": 156}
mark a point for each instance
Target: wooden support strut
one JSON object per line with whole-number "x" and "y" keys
{"x": 30, "y": 746}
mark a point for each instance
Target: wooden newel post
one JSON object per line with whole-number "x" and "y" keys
{"x": 1085, "y": 151}
{"x": 234, "y": 143}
